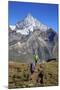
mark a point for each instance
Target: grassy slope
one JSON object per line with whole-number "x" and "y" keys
{"x": 20, "y": 76}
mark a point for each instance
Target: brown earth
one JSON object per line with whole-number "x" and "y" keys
{"x": 20, "y": 76}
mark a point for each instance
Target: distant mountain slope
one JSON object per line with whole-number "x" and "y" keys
{"x": 31, "y": 36}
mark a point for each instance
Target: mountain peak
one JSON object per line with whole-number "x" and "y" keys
{"x": 29, "y": 15}
{"x": 29, "y": 18}
{"x": 30, "y": 23}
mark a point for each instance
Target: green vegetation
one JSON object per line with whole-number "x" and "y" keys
{"x": 35, "y": 58}
{"x": 20, "y": 76}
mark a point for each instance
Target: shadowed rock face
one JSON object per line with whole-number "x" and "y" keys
{"x": 41, "y": 42}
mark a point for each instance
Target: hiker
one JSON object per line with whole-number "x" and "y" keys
{"x": 32, "y": 68}
{"x": 40, "y": 74}
{"x": 35, "y": 58}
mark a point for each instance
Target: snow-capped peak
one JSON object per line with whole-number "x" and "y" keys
{"x": 26, "y": 23}
{"x": 29, "y": 19}
{"x": 12, "y": 27}
{"x": 29, "y": 16}
{"x": 29, "y": 23}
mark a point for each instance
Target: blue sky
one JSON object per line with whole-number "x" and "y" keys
{"x": 45, "y": 13}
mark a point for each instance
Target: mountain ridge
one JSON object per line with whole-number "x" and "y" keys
{"x": 29, "y": 23}
{"x": 29, "y": 38}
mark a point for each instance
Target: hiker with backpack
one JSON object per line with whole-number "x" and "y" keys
{"x": 33, "y": 64}
{"x": 32, "y": 68}
{"x": 35, "y": 58}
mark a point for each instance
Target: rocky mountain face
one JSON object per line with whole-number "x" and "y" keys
{"x": 31, "y": 37}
